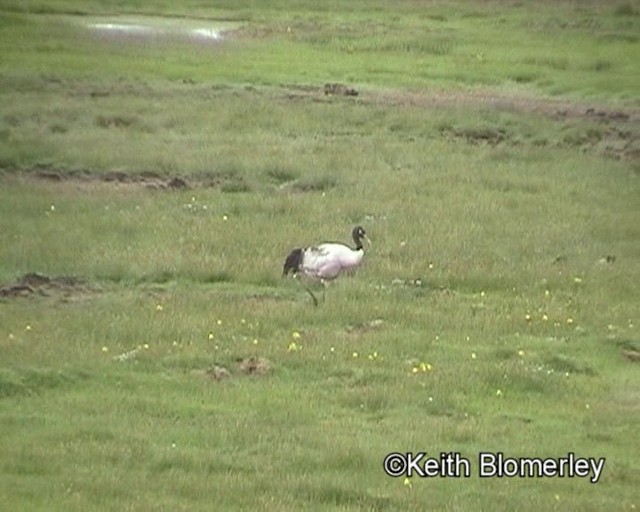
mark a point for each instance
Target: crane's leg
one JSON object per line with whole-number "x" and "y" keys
{"x": 315, "y": 300}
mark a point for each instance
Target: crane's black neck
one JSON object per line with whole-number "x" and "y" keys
{"x": 358, "y": 234}
{"x": 358, "y": 240}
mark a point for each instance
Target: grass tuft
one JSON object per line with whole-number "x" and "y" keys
{"x": 32, "y": 381}
{"x": 217, "y": 277}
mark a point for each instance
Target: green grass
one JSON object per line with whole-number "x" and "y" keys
{"x": 492, "y": 156}
{"x": 586, "y": 50}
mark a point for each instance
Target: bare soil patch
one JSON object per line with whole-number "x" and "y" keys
{"x": 248, "y": 366}
{"x": 339, "y": 89}
{"x": 39, "y": 284}
{"x": 148, "y": 179}
{"x": 254, "y": 366}
{"x": 218, "y": 373}
{"x": 632, "y": 354}
{"x": 630, "y": 350}
{"x": 365, "y": 327}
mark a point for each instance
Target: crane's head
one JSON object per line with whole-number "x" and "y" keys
{"x": 359, "y": 234}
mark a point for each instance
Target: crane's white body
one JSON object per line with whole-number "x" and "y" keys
{"x": 326, "y": 261}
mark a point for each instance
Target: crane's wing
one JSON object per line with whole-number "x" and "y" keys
{"x": 315, "y": 258}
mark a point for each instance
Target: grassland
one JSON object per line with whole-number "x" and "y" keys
{"x": 155, "y": 184}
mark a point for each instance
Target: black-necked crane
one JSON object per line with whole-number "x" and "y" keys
{"x": 326, "y": 261}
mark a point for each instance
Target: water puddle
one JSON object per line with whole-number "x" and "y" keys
{"x": 146, "y": 27}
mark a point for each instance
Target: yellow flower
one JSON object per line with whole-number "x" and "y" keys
{"x": 295, "y": 335}
{"x": 105, "y": 349}
{"x": 355, "y": 354}
{"x": 210, "y": 335}
{"x": 473, "y": 355}
{"x": 521, "y": 353}
{"x": 499, "y": 392}
{"x": 422, "y": 367}
{"x": 219, "y": 322}
{"x": 293, "y": 347}
{"x": 407, "y": 482}
{"x": 159, "y": 307}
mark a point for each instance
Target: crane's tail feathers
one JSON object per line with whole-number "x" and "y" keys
{"x": 293, "y": 262}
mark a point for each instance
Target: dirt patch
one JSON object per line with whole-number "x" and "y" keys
{"x": 491, "y": 136}
{"x": 632, "y": 354}
{"x": 254, "y": 366}
{"x": 630, "y": 350}
{"x": 248, "y": 366}
{"x": 218, "y": 373}
{"x": 227, "y": 182}
{"x": 148, "y": 179}
{"x": 40, "y": 284}
{"x": 339, "y": 90}
{"x": 372, "y": 325}
{"x": 315, "y": 184}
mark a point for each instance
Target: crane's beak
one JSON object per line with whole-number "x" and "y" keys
{"x": 368, "y": 240}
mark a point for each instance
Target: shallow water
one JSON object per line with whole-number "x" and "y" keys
{"x": 149, "y": 26}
